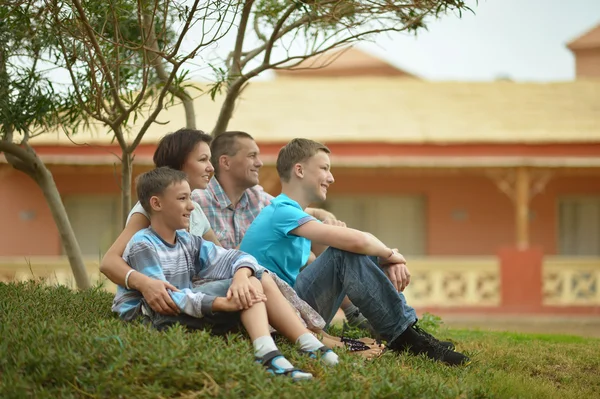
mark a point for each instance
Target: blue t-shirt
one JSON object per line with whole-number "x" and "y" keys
{"x": 268, "y": 238}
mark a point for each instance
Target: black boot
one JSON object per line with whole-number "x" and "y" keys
{"x": 445, "y": 344}
{"x": 416, "y": 343}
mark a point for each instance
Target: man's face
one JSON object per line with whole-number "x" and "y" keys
{"x": 244, "y": 165}
{"x": 175, "y": 205}
{"x": 317, "y": 176}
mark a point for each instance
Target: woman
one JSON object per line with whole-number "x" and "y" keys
{"x": 186, "y": 150}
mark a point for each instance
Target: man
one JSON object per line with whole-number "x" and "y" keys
{"x": 233, "y": 198}
{"x": 283, "y": 234}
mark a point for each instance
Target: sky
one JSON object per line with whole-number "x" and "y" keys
{"x": 524, "y": 40}
{"x": 521, "y": 39}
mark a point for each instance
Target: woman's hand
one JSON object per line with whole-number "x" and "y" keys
{"x": 156, "y": 294}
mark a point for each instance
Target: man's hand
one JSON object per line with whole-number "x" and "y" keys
{"x": 155, "y": 293}
{"x": 242, "y": 292}
{"x": 334, "y": 222}
{"x": 398, "y": 274}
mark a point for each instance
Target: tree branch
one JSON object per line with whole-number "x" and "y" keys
{"x": 21, "y": 154}
{"x": 274, "y": 35}
{"x": 250, "y": 55}
{"x": 156, "y": 61}
{"x": 184, "y": 31}
{"x": 236, "y": 67}
{"x": 104, "y": 66}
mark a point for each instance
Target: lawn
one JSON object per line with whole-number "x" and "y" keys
{"x": 56, "y": 343}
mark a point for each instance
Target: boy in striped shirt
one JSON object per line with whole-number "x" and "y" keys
{"x": 233, "y": 286}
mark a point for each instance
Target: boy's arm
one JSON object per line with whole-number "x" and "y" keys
{"x": 351, "y": 240}
{"x": 347, "y": 239}
{"x": 219, "y": 263}
{"x": 142, "y": 257}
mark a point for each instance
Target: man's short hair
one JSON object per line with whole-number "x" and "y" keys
{"x": 226, "y": 144}
{"x": 174, "y": 148}
{"x": 155, "y": 182}
{"x": 296, "y": 151}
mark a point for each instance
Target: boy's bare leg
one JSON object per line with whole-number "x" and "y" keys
{"x": 282, "y": 316}
{"x": 256, "y": 322}
{"x": 255, "y": 319}
{"x": 284, "y": 319}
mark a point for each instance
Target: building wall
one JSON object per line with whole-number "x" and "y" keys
{"x": 28, "y": 228}
{"x": 587, "y": 63}
{"x": 466, "y": 214}
{"x": 27, "y": 224}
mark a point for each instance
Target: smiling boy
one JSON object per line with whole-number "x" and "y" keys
{"x": 233, "y": 286}
{"x": 283, "y": 235}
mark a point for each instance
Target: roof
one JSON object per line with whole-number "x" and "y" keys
{"x": 345, "y": 62}
{"x": 590, "y": 39}
{"x": 393, "y": 110}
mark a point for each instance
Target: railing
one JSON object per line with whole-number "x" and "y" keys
{"x": 571, "y": 281}
{"x": 454, "y": 282}
{"x": 436, "y": 281}
{"x": 53, "y": 269}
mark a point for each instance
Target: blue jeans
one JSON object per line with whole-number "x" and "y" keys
{"x": 335, "y": 273}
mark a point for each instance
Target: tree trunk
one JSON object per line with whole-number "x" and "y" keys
{"x": 67, "y": 236}
{"x": 227, "y": 109}
{"x": 126, "y": 177}
{"x": 190, "y": 113}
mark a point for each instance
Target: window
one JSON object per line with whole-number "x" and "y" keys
{"x": 398, "y": 221}
{"x": 579, "y": 226}
{"x": 95, "y": 221}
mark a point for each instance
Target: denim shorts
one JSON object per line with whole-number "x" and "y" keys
{"x": 218, "y": 323}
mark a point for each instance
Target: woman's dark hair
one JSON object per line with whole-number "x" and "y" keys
{"x": 174, "y": 148}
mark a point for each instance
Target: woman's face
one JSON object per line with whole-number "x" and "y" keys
{"x": 197, "y": 166}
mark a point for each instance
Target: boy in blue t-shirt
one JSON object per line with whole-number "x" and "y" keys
{"x": 233, "y": 285}
{"x": 283, "y": 236}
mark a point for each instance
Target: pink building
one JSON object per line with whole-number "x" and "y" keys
{"x": 492, "y": 190}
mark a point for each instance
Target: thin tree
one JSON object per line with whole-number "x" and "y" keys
{"x": 126, "y": 63}
{"x": 29, "y": 107}
{"x": 307, "y": 28}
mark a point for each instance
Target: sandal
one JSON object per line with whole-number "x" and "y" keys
{"x": 268, "y": 362}
{"x": 354, "y": 345}
{"x": 322, "y": 354}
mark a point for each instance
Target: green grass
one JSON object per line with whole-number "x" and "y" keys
{"x": 56, "y": 343}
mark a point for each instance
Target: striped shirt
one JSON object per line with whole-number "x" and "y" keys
{"x": 229, "y": 223}
{"x": 189, "y": 258}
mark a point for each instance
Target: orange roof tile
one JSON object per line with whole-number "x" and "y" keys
{"x": 590, "y": 39}
{"x": 392, "y": 110}
{"x": 345, "y": 62}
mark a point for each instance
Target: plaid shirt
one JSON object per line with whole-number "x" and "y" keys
{"x": 230, "y": 224}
